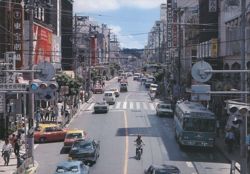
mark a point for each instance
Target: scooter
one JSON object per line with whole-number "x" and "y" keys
{"x": 138, "y": 152}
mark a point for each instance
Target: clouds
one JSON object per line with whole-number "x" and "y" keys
{"x": 126, "y": 41}
{"x": 108, "y": 5}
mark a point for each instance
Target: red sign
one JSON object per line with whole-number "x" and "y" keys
{"x": 18, "y": 33}
{"x": 42, "y": 44}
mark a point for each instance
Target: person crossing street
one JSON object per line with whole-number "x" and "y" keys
{"x": 6, "y": 151}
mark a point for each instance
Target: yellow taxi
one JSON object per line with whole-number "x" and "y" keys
{"x": 48, "y": 133}
{"x": 72, "y": 136}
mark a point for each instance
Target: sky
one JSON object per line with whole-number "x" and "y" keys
{"x": 130, "y": 20}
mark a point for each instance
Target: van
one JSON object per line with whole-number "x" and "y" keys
{"x": 109, "y": 97}
{"x": 123, "y": 87}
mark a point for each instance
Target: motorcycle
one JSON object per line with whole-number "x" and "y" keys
{"x": 138, "y": 151}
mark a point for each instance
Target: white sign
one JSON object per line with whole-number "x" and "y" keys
{"x": 2, "y": 102}
{"x": 212, "y": 6}
{"x": 10, "y": 57}
{"x": 13, "y": 87}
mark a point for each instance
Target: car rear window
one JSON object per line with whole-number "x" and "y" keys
{"x": 108, "y": 94}
{"x": 74, "y": 135}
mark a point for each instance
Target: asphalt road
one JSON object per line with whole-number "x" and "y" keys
{"x": 132, "y": 114}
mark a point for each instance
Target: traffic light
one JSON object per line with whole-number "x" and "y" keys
{"x": 44, "y": 90}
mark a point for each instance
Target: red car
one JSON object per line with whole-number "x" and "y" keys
{"x": 98, "y": 89}
{"x": 49, "y": 133}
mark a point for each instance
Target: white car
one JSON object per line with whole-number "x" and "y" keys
{"x": 164, "y": 109}
{"x": 109, "y": 97}
{"x": 153, "y": 87}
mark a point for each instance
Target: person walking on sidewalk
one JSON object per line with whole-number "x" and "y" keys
{"x": 229, "y": 139}
{"x": 17, "y": 144}
{"x": 6, "y": 151}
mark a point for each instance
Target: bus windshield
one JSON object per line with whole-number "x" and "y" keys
{"x": 198, "y": 124}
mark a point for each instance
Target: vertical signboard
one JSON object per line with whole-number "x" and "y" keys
{"x": 169, "y": 23}
{"x": 18, "y": 33}
{"x": 174, "y": 12}
{"x": 42, "y": 44}
{"x": 10, "y": 59}
{"x": 2, "y": 102}
{"x": 56, "y": 51}
{"x": 93, "y": 50}
{"x": 214, "y": 48}
{"x": 212, "y": 6}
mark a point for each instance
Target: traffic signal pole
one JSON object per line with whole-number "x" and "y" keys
{"x": 30, "y": 136}
{"x": 243, "y": 125}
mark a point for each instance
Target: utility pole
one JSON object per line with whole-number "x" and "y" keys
{"x": 243, "y": 126}
{"x": 75, "y": 46}
{"x": 30, "y": 136}
{"x": 179, "y": 51}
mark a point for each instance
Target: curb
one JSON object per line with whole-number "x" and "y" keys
{"x": 33, "y": 169}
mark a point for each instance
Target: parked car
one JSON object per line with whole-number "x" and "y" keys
{"x": 49, "y": 133}
{"x": 115, "y": 90}
{"x": 101, "y": 107}
{"x": 98, "y": 89}
{"x": 162, "y": 169}
{"x": 164, "y": 109}
{"x": 71, "y": 167}
{"x": 86, "y": 150}
{"x": 123, "y": 87}
{"x": 109, "y": 97}
{"x": 73, "y": 135}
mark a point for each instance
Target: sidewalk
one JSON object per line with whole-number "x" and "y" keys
{"x": 12, "y": 167}
{"x": 222, "y": 147}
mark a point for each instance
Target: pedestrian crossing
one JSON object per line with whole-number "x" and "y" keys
{"x": 130, "y": 105}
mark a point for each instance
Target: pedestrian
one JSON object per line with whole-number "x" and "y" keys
{"x": 218, "y": 128}
{"x": 37, "y": 118}
{"x": 17, "y": 145}
{"x": 6, "y": 151}
{"x": 12, "y": 139}
{"x": 103, "y": 84}
{"x": 53, "y": 115}
{"x": 229, "y": 139}
{"x": 47, "y": 113}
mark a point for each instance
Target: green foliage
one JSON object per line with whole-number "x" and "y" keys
{"x": 73, "y": 84}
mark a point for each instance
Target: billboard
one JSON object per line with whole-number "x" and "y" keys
{"x": 42, "y": 44}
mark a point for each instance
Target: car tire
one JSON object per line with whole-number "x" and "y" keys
{"x": 42, "y": 140}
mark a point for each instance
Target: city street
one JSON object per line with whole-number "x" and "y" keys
{"x": 133, "y": 114}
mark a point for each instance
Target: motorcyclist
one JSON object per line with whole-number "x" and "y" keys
{"x": 139, "y": 143}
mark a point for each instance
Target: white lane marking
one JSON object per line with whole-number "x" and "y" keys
{"x": 137, "y": 105}
{"x": 35, "y": 146}
{"x": 124, "y": 105}
{"x": 151, "y": 106}
{"x": 125, "y": 168}
{"x": 118, "y": 105}
{"x": 189, "y": 164}
{"x": 91, "y": 106}
{"x": 131, "y": 106}
{"x": 145, "y": 106}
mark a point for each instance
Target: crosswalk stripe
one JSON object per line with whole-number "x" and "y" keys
{"x": 124, "y": 105}
{"x": 144, "y": 106}
{"x": 151, "y": 106}
{"x": 131, "y": 106}
{"x": 91, "y": 106}
{"x": 137, "y": 105}
{"x": 118, "y": 105}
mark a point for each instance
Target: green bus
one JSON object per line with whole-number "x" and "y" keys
{"x": 195, "y": 125}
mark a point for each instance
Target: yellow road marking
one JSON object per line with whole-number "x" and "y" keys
{"x": 125, "y": 169}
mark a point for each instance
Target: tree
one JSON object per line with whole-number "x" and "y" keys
{"x": 73, "y": 84}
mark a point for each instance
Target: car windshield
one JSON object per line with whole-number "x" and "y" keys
{"x": 108, "y": 94}
{"x": 165, "y": 106}
{"x": 74, "y": 135}
{"x": 63, "y": 169}
{"x": 83, "y": 145}
{"x": 199, "y": 124}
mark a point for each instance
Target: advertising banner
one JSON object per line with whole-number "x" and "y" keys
{"x": 42, "y": 44}
{"x": 169, "y": 23}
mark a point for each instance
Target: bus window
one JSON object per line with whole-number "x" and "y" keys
{"x": 199, "y": 125}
